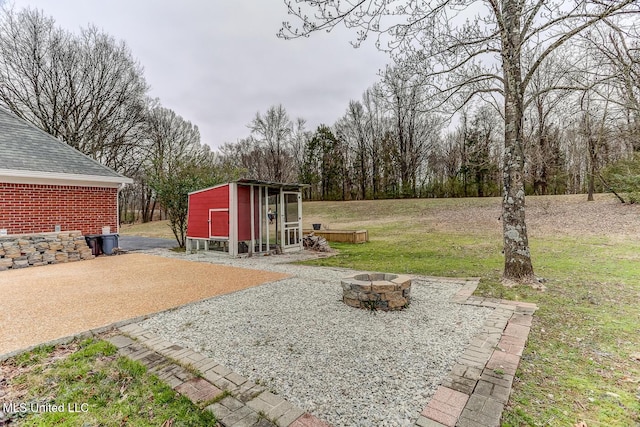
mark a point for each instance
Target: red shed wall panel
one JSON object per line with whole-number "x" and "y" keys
{"x": 244, "y": 212}
{"x": 31, "y": 208}
{"x": 199, "y": 205}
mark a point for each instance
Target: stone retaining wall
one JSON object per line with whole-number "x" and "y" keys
{"x": 30, "y": 250}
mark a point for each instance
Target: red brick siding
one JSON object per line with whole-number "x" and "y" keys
{"x": 30, "y": 208}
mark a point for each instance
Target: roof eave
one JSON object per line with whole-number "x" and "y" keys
{"x": 271, "y": 184}
{"x": 14, "y": 176}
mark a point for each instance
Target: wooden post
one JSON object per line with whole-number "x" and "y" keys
{"x": 252, "y": 206}
{"x": 233, "y": 219}
{"x": 260, "y": 218}
{"x": 266, "y": 205}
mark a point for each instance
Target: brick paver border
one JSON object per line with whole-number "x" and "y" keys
{"x": 479, "y": 384}
{"x": 233, "y": 399}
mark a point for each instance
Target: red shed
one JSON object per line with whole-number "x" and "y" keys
{"x": 246, "y": 217}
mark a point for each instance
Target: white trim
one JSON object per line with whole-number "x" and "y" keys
{"x": 266, "y": 215}
{"x": 300, "y": 242}
{"x": 233, "y": 219}
{"x": 210, "y": 224}
{"x": 118, "y": 209}
{"x": 294, "y": 226}
{"x": 252, "y": 202}
{"x": 220, "y": 238}
{"x": 283, "y": 212}
{"x": 260, "y": 219}
{"x": 53, "y": 178}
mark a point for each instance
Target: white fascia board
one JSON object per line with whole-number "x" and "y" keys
{"x": 53, "y": 178}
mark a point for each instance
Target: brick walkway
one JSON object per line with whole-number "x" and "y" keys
{"x": 233, "y": 399}
{"x": 479, "y": 384}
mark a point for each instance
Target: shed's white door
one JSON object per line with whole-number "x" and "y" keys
{"x": 292, "y": 221}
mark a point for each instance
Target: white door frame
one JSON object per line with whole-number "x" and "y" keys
{"x": 211, "y": 236}
{"x": 295, "y": 226}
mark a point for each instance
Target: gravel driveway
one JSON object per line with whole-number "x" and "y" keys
{"x": 137, "y": 243}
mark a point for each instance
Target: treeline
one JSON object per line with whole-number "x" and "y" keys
{"x": 399, "y": 140}
{"x": 88, "y": 90}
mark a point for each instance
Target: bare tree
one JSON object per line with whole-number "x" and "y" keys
{"x": 394, "y": 111}
{"x": 364, "y": 128}
{"x": 298, "y": 144}
{"x": 414, "y": 129}
{"x": 352, "y": 129}
{"x": 86, "y": 90}
{"x": 615, "y": 46}
{"x": 176, "y": 164}
{"x": 479, "y": 162}
{"x": 596, "y": 126}
{"x": 541, "y": 141}
{"x": 275, "y": 150}
{"x": 272, "y": 132}
{"x": 466, "y": 56}
{"x": 245, "y": 155}
{"x": 34, "y": 59}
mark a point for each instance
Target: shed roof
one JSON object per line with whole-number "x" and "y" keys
{"x": 284, "y": 185}
{"x": 269, "y": 184}
{"x": 26, "y": 151}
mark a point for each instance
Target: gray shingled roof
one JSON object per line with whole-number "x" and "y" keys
{"x": 24, "y": 147}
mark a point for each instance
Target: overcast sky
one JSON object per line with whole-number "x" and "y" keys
{"x": 218, "y": 62}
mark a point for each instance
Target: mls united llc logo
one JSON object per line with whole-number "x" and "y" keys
{"x": 13, "y": 408}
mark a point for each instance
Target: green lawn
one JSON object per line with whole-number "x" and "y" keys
{"x": 581, "y": 361}
{"x": 94, "y": 387}
{"x": 159, "y": 229}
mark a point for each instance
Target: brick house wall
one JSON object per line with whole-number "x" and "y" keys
{"x": 35, "y": 208}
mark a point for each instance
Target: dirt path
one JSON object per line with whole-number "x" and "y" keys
{"x": 41, "y": 304}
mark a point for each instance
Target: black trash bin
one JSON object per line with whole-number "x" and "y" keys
{"x": 109, "y": 243}
{"x": 94, "y": 242}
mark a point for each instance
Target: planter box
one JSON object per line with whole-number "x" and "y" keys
{"x": 342, "y": 236}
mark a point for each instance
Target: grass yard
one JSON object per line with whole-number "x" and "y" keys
{"x": 96, "y": 387}
{"x": 158, "y": 229}
{"x": 582, "y": 361}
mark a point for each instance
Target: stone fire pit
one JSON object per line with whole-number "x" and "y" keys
{"x": 376, "y": 291}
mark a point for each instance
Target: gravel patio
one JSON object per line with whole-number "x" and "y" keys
{"x": 347, "y": 366}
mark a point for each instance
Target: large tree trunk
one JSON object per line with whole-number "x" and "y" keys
{"x": 517, "y": 257}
